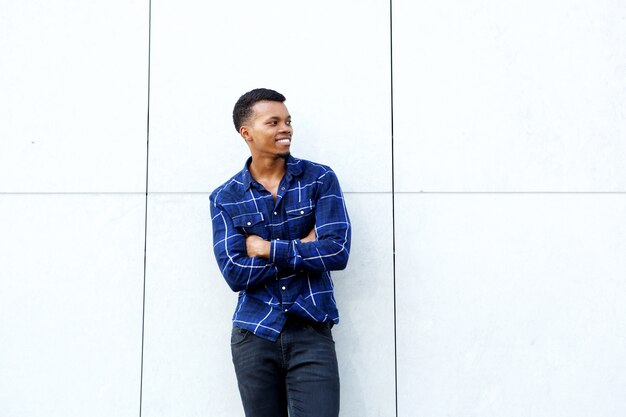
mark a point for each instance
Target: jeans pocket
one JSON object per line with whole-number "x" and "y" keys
{"x": 238, "y": 336}
{"x": 323, "y": 330}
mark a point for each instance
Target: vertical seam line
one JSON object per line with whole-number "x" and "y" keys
{"x": 145, "y": 242}
{"x": 393, "y": 211}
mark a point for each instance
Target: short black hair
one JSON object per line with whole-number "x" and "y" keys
{"x": 243, "y": 107}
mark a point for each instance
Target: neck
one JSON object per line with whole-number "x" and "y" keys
{"x": 267, "y": 168}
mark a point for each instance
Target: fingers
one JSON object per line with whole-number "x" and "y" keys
{"x": 256, "y": 246}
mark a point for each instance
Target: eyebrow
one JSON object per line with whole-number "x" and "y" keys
{"x": 278, "y": 117}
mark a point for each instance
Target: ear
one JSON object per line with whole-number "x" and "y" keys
{"x": 245, "y": 133}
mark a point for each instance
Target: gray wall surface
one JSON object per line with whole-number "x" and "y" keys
{"x": 480, "y": 146}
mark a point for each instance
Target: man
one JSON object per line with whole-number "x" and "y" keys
{"x": 280, "y": 226}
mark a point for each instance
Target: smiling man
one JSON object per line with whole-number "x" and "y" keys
{"x": 280, "y": 226}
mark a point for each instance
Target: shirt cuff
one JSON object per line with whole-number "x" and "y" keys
{"x": 279, "y": 251}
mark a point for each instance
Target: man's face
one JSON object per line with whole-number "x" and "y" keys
{"x": 268, "y": 131}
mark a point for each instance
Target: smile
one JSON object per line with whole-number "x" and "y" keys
{"x": 285, "y": 141}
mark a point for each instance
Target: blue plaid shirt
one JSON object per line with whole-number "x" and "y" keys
{"x": 295, "y": 280}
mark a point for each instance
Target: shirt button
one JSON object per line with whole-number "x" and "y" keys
{"x": 284, "y": 288}
{"x": 275, "y": 214}
{"x": 301, "y": 211}
{"x": 285, "y": 310}
{"x": 282, "y": 188}
{"x": 249, "y": 223}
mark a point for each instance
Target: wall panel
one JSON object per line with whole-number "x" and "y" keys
{"x": 511, "y": 305}
{"x": 330, "y": 59}
{"x": 74, "y": 91}
{"x": 509, "y": 96}
{"x": 71, "y": 284}
{"x": 188, "y": 369}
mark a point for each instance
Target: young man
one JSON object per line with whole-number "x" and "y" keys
{"x": 280, "y": 226}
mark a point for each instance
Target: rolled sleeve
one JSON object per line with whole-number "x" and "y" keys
{"x": 279, "y": 251}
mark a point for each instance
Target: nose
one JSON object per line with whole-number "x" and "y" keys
{"x": 286, "y": 128}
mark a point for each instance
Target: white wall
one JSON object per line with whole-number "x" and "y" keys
{"x": 510, "y": 142}
{"x": 73, "y": 99}
{"x": 505, "y": 186}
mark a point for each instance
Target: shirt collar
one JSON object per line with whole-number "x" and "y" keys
{"x": 292, "y": 169}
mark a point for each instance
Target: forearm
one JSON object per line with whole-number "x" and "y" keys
{"x": 242, "y": 272}
{"x": 239, "y": 270}
{"x": 326, "y": 254}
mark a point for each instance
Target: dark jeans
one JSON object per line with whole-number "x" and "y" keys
{"x": 298, "y": 372}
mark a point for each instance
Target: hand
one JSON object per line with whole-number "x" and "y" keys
{"x": 256, "y": 247}
{"x": 310, "y": 237}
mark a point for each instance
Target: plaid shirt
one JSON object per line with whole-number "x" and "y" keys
{"x": 295, "y": 280}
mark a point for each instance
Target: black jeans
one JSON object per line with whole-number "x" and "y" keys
{"x": 296, "y": 376}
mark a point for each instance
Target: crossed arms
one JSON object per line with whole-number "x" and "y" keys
{"x": 248, "y": 261}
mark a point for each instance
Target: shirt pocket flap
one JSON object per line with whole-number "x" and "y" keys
{"x": 302, "y": 208}
{"x": 248, "y": 219}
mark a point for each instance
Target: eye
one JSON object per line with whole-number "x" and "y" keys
{"x": 288, "y": 122}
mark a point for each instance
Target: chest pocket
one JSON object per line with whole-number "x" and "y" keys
{"x": 251, "y": 224}
{"x": 300, "y": 218}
